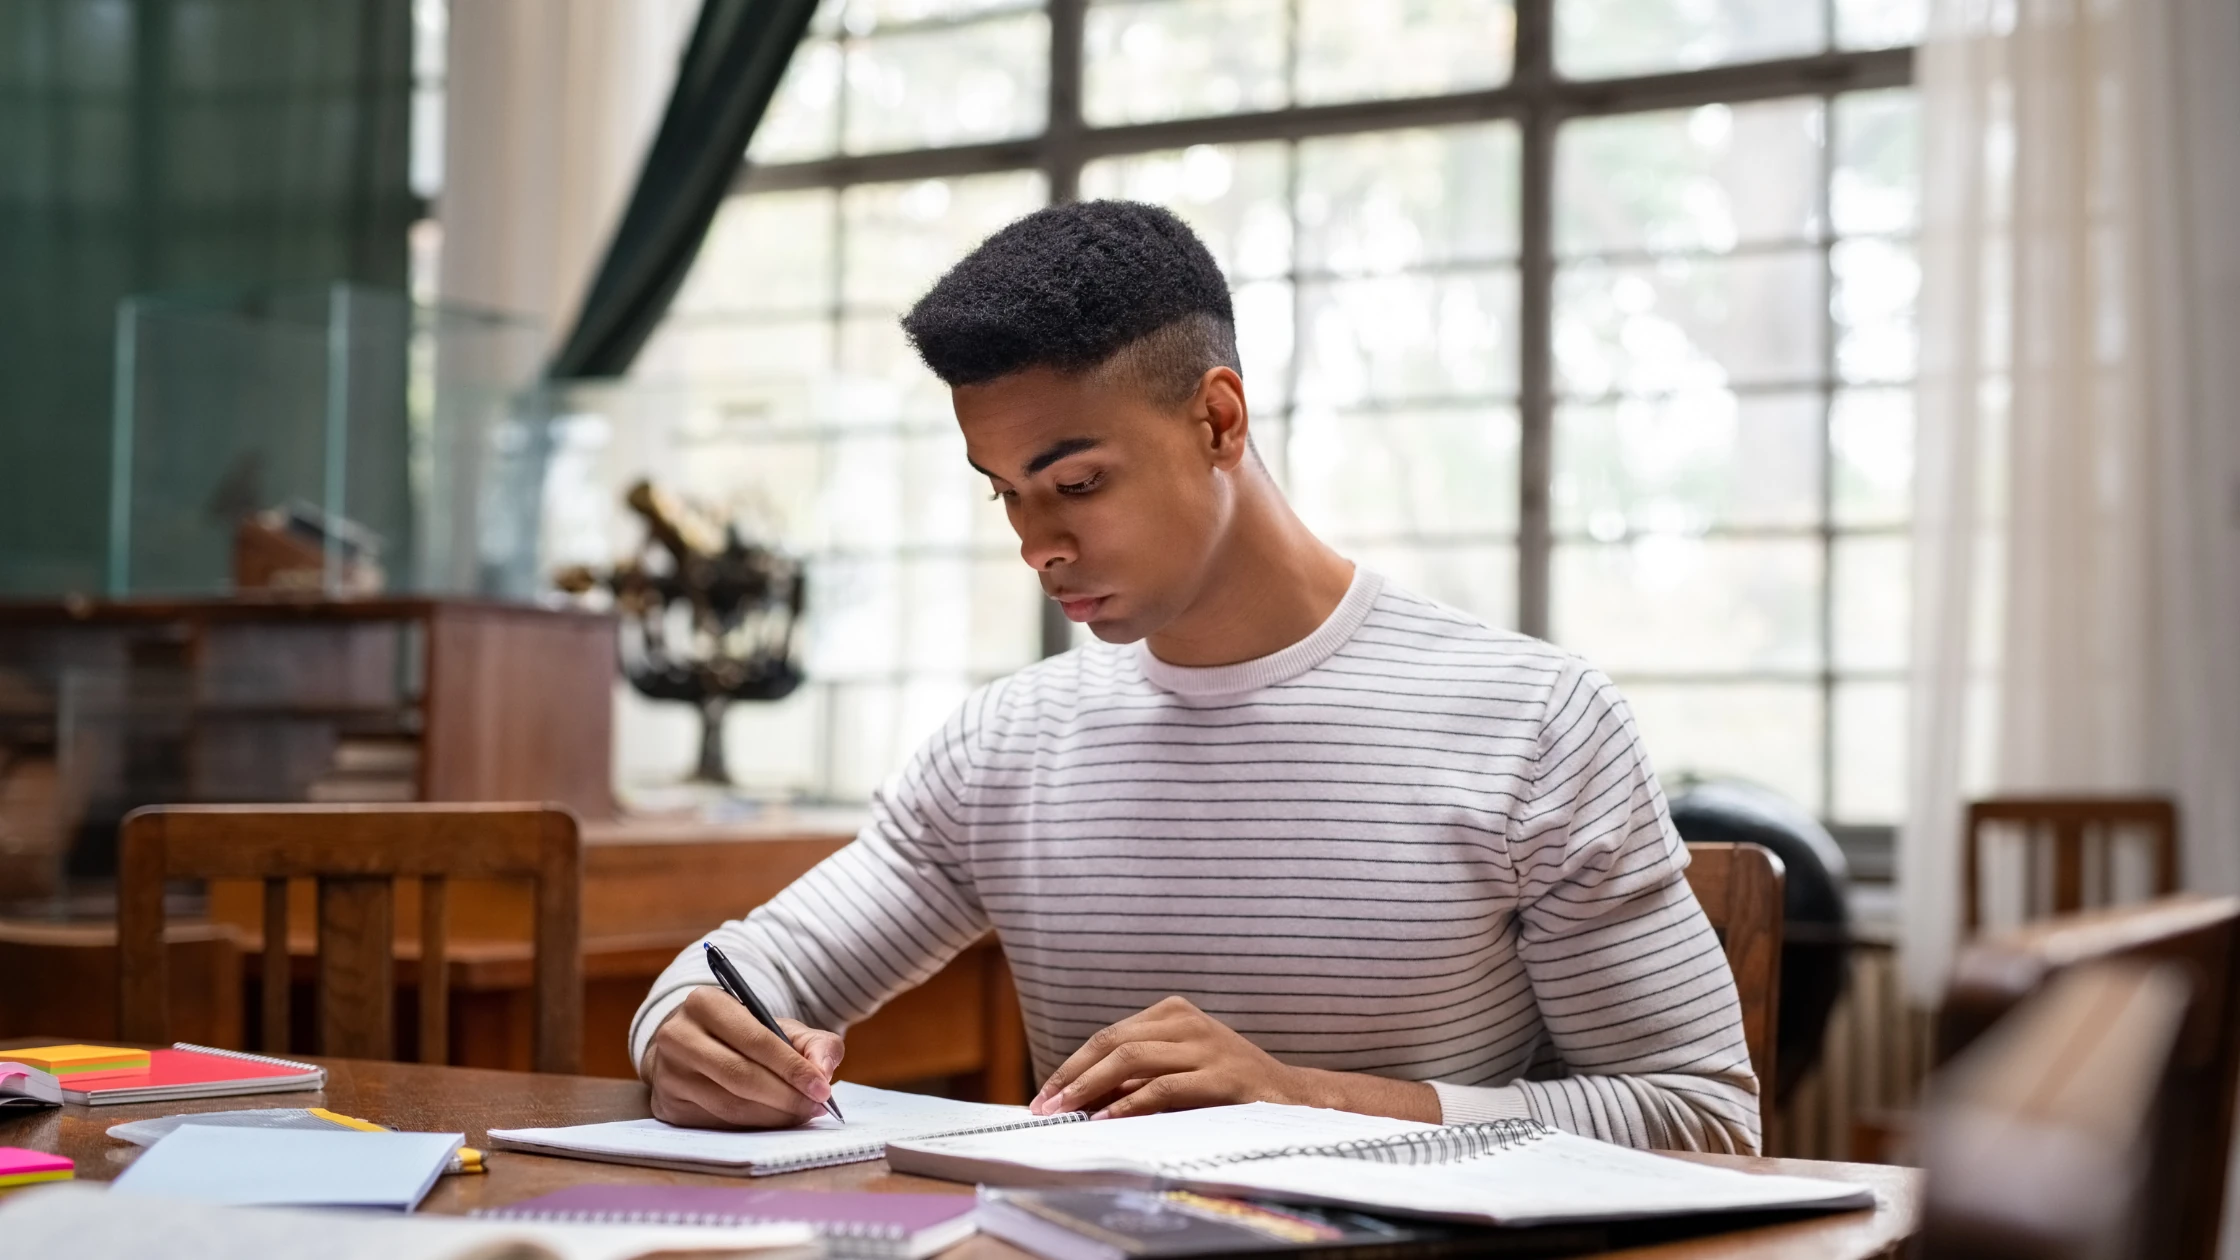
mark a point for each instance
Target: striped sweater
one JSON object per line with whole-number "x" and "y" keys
{"x": 1407, "y": 845}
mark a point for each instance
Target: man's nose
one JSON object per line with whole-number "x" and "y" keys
{"x": 1044, "y": 544}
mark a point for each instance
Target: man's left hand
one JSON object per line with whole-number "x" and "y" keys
{"x": 1174, "y": 1056}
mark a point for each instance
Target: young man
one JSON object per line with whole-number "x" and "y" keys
{"x": 1286, "y": 832}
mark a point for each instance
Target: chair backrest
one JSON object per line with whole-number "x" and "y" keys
{"x": 2077, "y": 837}
{"x": 2035, "y": 1140}
{"x": 1739, "y": 886}
{"x": 356, "y": 853}
{"x": 2193, "y": 1134}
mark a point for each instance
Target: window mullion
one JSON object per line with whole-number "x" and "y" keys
{"x": 1535, "y": 75}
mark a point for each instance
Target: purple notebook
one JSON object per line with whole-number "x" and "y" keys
{"x": 852, "y": 1223}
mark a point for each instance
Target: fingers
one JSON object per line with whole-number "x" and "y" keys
{"x": 696, "y": 1068}
{"x": 1177, "y": 1092}
{"x": 822, "y": 1049}
{"x": 708, "y": 1071}
{"x": 1154, "y": 1024}
{"x": 734, "y": 1026}
{"x": 1108, "y": 1077}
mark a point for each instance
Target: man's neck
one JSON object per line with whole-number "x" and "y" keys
{"x": 1272, "y": 584}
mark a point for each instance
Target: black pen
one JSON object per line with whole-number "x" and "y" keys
{"x": 736, "y": 985}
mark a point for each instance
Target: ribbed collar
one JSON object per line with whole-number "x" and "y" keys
{"x": 1276, "y": 667}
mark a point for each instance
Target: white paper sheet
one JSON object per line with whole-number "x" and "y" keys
{"x": 875, "y": 1118}
{"x": 1560, "y": 1177}
{"x": 1145, "y": 1144}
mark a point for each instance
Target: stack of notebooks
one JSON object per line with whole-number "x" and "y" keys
{"x": 100, "y": 1076}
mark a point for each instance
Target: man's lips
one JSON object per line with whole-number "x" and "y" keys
{"x": 1080, "y": 607}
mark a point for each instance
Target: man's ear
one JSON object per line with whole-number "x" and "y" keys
{"x": 1221, "y": 408}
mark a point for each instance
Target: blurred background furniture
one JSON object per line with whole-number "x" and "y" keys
{"x": 1814, "y": 930}
{"x": 1739, "y": 887}
{"x": 356, "y": 855}
{"x": 2036, "y": 1140}
{"x": 107, "y": 706}
{"x": 2192, "y": 1137}
{"x": 64, "y": 976}
{"x": 2072, "y": 852}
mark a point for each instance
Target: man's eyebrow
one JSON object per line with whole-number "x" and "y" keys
{"x": 1059, "y": 450}
{"x": 1050, "y": 455}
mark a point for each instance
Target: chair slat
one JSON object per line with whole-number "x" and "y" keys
{"x": 2068, "y": 866}
{"x": 278, "y": 973}
{"x": 435, "y": 974}
{"x": 357, "y": 984}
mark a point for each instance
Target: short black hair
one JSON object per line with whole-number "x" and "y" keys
{"x": 1078, "y": 287}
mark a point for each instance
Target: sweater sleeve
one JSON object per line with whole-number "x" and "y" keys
{"x": 1639, "y": 1005}
{"x": 875, "y": 919}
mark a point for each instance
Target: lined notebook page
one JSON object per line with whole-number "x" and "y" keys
{"x": 1558, "y": 1177}
{"x": 1148, "y": 1144}
{"x": 875, "y": 1118}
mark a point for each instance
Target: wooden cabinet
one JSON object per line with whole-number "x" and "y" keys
{"x": 106, "y": 706}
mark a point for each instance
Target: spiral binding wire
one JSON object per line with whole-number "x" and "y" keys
{"x": 866, "y": 1230}
{"x": 856, "y": 1154}
{"x": 266, "y": 1059}
{"x": 1436, "y": 1146}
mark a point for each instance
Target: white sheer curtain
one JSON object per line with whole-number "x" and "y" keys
{"x": 549, "y": 107}
{"x": 2077, "y": 551}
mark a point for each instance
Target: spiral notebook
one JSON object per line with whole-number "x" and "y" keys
{"x": 187, "y": 1071}
{"x": 854, "y": 1225}
{"x": 1501, "y": 1172}
{"x": 875, "y": 1118}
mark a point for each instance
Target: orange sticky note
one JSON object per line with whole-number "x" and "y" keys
{"x": 63, "y": 1060}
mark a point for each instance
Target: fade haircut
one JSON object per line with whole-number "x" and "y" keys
{"x": 1118, "y": 288}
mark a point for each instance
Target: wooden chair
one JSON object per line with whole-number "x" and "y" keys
{"x": 2074, "y": 828}
{"x": 2033, "y": 1141}
{"x": 1739, "y": 886}
{"x": 356, "y": 853}
{"x": 2193, "y": 1133}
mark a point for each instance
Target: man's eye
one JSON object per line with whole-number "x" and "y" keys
{"x": 1002, "y": 494}
{"x": 1081, "y": 487}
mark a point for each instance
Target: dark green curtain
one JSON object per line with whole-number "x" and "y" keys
{"x": 169, "y": 145}
{"x": 729, "y": 70}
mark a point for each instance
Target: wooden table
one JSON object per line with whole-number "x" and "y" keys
{"x": 474, "y": 1100}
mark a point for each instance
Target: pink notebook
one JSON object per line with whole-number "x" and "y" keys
{"x": 186, "y": 1071}
{"x": 855, "y": 1225}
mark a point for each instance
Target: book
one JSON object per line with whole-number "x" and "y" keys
{"x": 72, "y": 1220}
{"x": 1501, "y": 1172}
{"x": 878, "y": 1117}
{"x": 186, "y": 1071}
{"x": 1178, "y": 1225}
{"x": 72, "y": 1060}
{"x": 23, "y": 1087}
{"x": 20, "y": 1168}
{"x": 854, "y": 1224}
{"x": 291, "y": 1167}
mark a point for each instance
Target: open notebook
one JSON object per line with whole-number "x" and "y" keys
{"x": 876, "y": 1117}
{"x": 1503, "y": 1172}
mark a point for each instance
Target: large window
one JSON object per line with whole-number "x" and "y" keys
{"x": 1592, "y": 317}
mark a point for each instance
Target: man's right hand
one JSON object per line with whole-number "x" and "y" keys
{"x": 712, "y": 1066}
